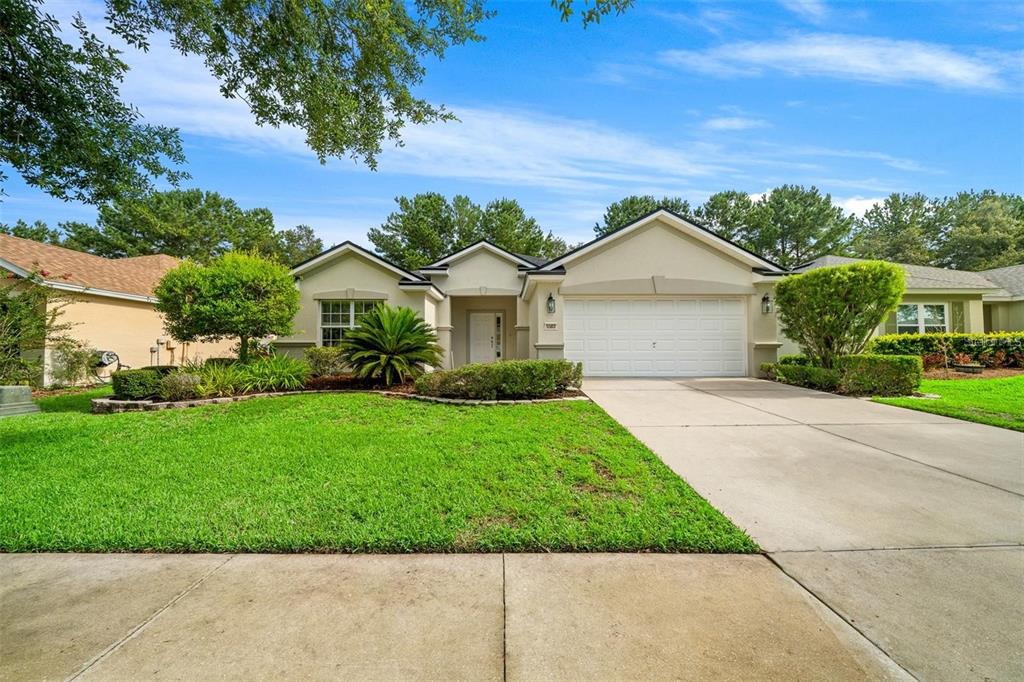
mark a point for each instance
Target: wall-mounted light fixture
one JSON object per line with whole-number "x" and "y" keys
{"x": 551, "y": 304}
{"x": 766, "y": 304}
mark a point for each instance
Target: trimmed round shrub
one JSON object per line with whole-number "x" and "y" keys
{"x": 179, "y": 386}
{"x": 505, "y": 380}
{"x": 325, "y": 361}
{"x": 870, "y": 374}
{"x": 833, "y": 311}
{"x": 808, "y": 376}
{"x": 794, "y": 360}
{"x": 135, "y": 384}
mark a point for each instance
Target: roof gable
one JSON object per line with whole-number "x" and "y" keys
{"x": 351, "y": 247}
{"x": 685, "y": 226}
{"x": 917, "y": 276}
{"x": 476, "y": 246}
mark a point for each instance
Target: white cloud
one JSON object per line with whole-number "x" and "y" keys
{"x": 858, "y": 205}
{"x": 734, "y": 123}
{"x": 810, "y": 10}
{"x": 876, "y": 60}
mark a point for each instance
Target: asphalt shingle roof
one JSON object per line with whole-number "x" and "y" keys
{"x": 137, "y": 275}
{"x": 1010, "y": 278}
{"x": 918, "y": 276}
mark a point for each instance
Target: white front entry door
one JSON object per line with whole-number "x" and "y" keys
{"x": 674, "y": 336}
{"x": 483, "y": 341}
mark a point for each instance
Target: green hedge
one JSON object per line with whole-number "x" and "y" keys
{"x": 869, "y": 374}
{"x": 136, "y": 384}
{"x": 505, "y": 380}
{"x": 807, "y": 376}
{"x": 794, "y": 360}
{"x": 998, "y": 349}
{"x": 864, "y": 374}
{"x": 325, "y": 361}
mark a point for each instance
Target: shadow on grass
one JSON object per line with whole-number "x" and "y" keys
{"x": 76, "y": 401}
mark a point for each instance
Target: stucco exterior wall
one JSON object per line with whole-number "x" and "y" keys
{"x": 461, "y": 306}
{"x": 130, "y": 328}
{"x": 656, "y": 260}
{"x": 1007, "y": 316}
{"x": 348, "y": 276}
{"x": 480, "y": 270}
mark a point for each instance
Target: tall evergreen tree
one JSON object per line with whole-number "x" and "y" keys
{"x": 628, "y": 209}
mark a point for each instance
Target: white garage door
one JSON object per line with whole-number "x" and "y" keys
{"x": 657, "y": 336}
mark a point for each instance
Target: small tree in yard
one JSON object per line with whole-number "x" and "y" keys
{"x": 832, "y": 311}
{"x": 234, "y": 296}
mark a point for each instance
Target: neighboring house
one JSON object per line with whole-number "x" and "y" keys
{"x": 111, "y": 306}
{"x": 1004, "y": 310}
{"x": 660, "y": 296}
{"x": 940, "y": 299}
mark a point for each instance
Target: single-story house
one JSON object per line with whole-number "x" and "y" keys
{"x": 111, "y": 301}
{"x": 940, "y": 299}
{"x": 660, "y": 296}
{"x": 1004, "y": 309}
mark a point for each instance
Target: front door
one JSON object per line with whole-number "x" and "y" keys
{"x": 484, "y": 342}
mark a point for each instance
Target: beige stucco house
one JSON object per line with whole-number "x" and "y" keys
{"x": 661, "y": 296}
{"x": 110, "y": 301}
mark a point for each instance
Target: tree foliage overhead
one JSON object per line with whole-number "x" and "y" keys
{"x": 634, "y": 207}
{"x": 793, "y": 225}
{"x": 188, "y": 224}
{"x": 235, "y": 296}
{"x": 833, "y": 311}
{"x": 63, "y": 125}
{"x": 342, "y": 72}
{"x": 427, "y": 227}
{"x": 967, "y": 231}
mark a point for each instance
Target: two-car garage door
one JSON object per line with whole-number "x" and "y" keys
{"x": 657, "y": 336}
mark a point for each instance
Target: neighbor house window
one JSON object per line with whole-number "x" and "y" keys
{"x": 921, "y": 318}
{"x": 337, "y": 316}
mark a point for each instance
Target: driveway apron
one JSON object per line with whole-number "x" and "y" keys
{"x": 908, "y": 525}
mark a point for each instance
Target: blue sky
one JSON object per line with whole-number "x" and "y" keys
{"x": 859, "y": 99}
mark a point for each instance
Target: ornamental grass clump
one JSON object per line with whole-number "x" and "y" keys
{"x": 390, "y": 345}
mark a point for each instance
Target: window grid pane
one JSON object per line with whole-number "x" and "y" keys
{"x": 338, "y": 316}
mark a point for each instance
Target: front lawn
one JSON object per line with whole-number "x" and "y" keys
{"x": 347, "y": 473}
{"x": 999, "y": 402}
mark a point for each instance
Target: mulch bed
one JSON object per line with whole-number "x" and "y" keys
{"x": 987, "y": 373}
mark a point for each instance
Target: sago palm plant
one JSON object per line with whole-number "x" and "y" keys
{"x": 390, "y": 345}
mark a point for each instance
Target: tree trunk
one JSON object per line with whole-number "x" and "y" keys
{"x": 243, "y": 349}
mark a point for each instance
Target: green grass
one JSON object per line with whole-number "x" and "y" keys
{"x": 347, "y": 473}
{"x": 999, "y": 402}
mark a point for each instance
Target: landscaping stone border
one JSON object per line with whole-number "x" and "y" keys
{"x": 112, "y": 406}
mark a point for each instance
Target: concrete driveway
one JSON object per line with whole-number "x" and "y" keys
{"x": 908, "y": 525}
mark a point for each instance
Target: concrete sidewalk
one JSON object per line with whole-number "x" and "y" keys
{"x": 472, "y": 617}
{"x": 909, "y": 525}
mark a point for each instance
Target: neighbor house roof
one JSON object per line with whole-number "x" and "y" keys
{"x": 1010, "y": 279}
{"x": 133, "y": 278}
{"x": 918, "y": 276}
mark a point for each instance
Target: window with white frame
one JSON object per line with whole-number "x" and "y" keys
{"x": 921, "y": 318}
{"x": 337, "y": 316}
